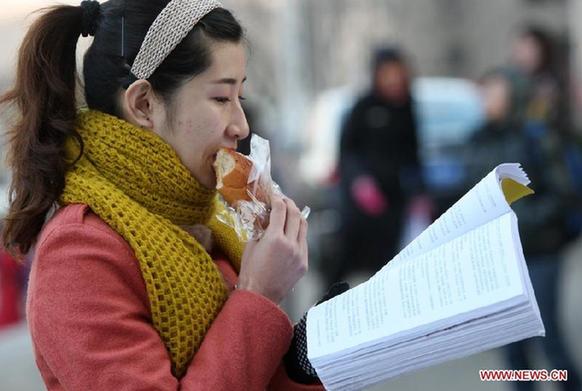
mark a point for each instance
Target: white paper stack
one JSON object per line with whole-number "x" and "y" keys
{"x": 460, "y": 288}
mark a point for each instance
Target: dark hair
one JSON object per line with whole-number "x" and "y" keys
{"x": 44, "y": 93}
{"x": 388, "y": 54}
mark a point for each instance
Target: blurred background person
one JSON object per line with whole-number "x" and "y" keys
{"x": 503, "y": 138}
{"x": 539, "y": 76}
{"x": 537, "y": 72}
{"x": 378, "y": 166}
{"x": 13, "y": 276}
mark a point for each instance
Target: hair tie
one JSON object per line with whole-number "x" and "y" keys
{"x": 91, "y": 10}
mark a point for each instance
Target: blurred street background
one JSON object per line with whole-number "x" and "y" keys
{"x": 455, "y": 84}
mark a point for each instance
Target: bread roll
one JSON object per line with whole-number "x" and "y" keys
{"x": 232, "y": 175}
{"x": 232, "y": 182}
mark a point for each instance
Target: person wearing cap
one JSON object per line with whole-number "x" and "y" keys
{"x": 122, "y": 294}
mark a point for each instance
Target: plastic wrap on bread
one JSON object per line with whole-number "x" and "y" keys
{"x": 246, "y": 187}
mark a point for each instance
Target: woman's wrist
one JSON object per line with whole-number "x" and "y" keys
{"x": 249, "y": 286}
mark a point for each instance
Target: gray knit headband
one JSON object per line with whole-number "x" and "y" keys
{"x": 168, "y": 30}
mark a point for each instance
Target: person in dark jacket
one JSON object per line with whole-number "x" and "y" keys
{"x": 379, "y": 166}
{"x": 506, "y": 137}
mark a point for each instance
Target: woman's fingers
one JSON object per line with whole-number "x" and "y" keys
{"x": 293, "y": 220}
{"x": 278, "y": 214}
{"x": 302, "y": 231}
{"x": 272, "y": 265}
{"x": 303, "y": 238}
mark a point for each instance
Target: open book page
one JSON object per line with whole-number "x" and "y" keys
{"x": 446, "y": 285}
{"x": 486, "y": 201}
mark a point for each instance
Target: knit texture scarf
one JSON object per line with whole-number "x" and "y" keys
{"x": 136, "y": 183}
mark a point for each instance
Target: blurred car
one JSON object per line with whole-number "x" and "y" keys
{"x": 449, "y": 111}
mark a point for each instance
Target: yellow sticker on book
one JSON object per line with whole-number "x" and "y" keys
{"x": 513, "y": 190}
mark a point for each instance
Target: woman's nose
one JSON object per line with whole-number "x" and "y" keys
{"x": 239, "y": 127}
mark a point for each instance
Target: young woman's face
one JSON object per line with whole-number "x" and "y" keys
{"x": 527, "y": 54}
{"x": 206, "y": 114}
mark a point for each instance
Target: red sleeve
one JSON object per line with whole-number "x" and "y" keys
{"x": 91, "y": 325}
{"x": 244, "y": 354}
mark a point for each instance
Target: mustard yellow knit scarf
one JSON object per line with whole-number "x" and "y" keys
{"x": 136, "y": 183}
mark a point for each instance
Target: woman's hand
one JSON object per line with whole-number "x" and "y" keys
{"x": 272, "y": 265}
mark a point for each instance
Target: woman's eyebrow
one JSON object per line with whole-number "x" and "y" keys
{"x": 228, "y": 80}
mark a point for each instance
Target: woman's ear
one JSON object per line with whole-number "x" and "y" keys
{"x": 139, "y": 104}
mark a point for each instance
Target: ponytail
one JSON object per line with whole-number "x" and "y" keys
{"x": 44, "y": 99}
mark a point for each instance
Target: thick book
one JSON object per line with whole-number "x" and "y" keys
{"x": 459, "y": 288}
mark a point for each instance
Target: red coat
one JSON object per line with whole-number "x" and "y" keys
{"x": 91, "y": 324}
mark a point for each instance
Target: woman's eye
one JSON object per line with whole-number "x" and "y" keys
{"x": 225, "y": 99}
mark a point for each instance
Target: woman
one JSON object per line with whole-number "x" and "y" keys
{"x": 122, "y": 295}
{"x": 538, "y": 93}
